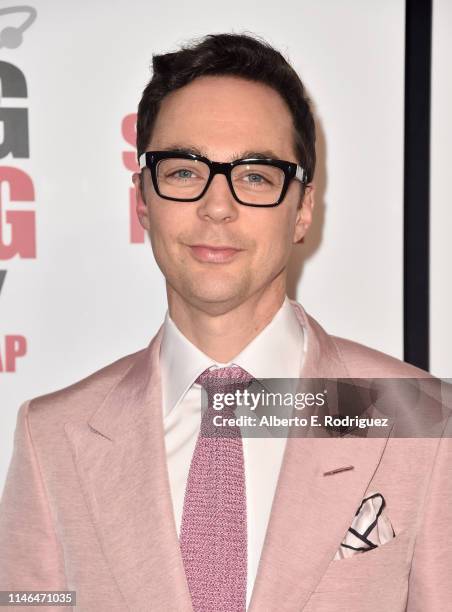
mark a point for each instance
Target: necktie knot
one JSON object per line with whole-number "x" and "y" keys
{"x": 220, "y": 378}
{"x": 223, "y": 387}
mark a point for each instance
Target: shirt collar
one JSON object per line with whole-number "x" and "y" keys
{"x": 276, "y": 352}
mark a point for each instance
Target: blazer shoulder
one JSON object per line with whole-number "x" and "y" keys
{"x": 367, "y": 362}
{"x": 77, "y": 400}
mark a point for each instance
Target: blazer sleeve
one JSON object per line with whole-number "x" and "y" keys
{"x": 430, "y": 583}
{"x": 31, "y": 556}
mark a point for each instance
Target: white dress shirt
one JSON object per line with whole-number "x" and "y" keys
{"x": 277, "y": 352}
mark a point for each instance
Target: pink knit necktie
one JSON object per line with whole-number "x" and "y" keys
{"x": 213, "y": 535}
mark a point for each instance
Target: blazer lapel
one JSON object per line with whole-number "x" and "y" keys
{"x": 312, "y": 511}
{"x": 121, "y": 461}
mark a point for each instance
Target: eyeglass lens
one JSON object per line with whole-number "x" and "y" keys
{"x": 253, "y": 183}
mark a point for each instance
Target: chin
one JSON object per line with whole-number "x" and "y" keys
{"x": 216, "y": 298}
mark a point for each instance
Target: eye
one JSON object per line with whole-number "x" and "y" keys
{"x": 183, "y": 173}
{"x": 255, "y": 178}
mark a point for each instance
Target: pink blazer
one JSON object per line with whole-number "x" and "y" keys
{"x": 87, "y": 506}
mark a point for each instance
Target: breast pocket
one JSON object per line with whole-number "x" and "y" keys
{"x": 369, "y": 571}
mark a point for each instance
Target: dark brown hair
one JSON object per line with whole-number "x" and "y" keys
{"x": 238, "y": 55}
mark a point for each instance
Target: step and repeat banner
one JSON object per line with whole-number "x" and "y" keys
{"x": 79, "y": 287}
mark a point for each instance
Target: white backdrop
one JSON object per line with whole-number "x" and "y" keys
{"x": 90, "y": 295}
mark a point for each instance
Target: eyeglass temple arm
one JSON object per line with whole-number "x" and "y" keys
{"x": 300, "y": 174}
{"x": 142, "y": 161}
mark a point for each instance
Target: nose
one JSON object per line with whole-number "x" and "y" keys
{"x": 218, "y": 203}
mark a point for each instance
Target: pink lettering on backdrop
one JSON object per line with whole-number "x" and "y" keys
{"x": 128, "y": 129}
{"x": 15, "y": 346}
{"x": 22, "y": 223}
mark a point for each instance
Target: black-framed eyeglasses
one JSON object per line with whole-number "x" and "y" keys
{"x": 185, "y": 177}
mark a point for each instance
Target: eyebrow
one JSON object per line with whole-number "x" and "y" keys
{"x": 248, "y": 154}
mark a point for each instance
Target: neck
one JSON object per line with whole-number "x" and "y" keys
{"x": 223, "y": 336}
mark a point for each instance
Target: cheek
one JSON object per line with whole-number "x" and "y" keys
{"x": 164, "y": 222}
{"x": 275, "y": 236}
{"x": 162, "y": 234}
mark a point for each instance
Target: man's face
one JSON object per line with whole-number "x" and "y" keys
{"x": 223, "y": 118}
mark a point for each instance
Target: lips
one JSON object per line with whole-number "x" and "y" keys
{"x": 213, "y": 254}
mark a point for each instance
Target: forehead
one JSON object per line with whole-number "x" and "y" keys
{"x": 225, "y": 115}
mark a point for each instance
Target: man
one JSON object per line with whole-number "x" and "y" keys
{"x": 113, "y": 491}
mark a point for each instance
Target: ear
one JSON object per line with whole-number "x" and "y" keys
{"x": 141, "y": 208}
{"x": 304, "y": 214}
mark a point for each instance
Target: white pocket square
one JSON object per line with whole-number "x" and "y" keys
{"x": 370, "y": 528}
